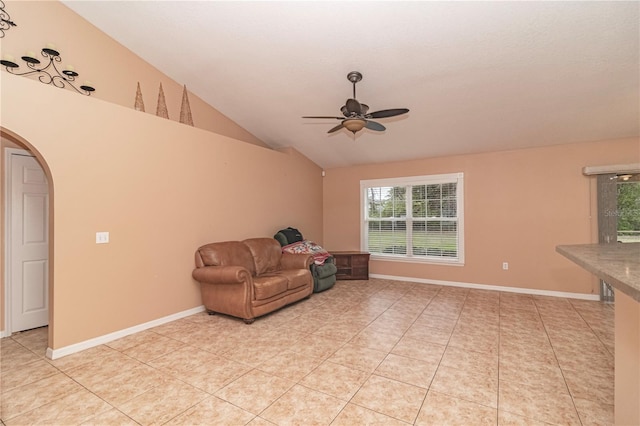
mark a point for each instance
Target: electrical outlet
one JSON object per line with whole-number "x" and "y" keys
{"x": 505, "y": 266}
{"x": 102, "y": 237}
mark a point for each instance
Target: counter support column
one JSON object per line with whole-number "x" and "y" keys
{"x": 627, "y": 376}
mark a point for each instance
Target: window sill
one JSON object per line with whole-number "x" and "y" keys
{"x": 430, "y": 261}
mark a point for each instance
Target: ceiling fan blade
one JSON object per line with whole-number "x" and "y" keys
{"x": 388, "y": 113}
{"x": 327, "y": 117}
{"x": 372, "y": 125}
{"x": 353, "y": 106}
{"x": 364, "y": 108}
{"x": 335, "y": 129}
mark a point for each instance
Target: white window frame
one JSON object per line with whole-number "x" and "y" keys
{"x": 457, "y": 178}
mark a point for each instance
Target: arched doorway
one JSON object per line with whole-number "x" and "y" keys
{"x": 14, "y": 146}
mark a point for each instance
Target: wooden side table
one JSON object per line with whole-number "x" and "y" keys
{"x": 352, "y": 265}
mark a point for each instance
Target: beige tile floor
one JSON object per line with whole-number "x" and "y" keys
{"x": 365, "y": 352}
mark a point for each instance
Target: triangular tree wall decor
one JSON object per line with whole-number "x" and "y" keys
{"x": 185, "y": 109}
{"x": 139, "y": 105}
{"x": 161, "y": 110}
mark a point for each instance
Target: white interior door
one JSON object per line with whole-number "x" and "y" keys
{"x": 29, "y": 244}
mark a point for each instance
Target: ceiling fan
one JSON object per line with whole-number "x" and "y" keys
{"x": 356, "y": 115}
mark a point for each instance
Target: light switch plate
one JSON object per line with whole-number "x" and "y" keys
{"x": 102, "y": 237}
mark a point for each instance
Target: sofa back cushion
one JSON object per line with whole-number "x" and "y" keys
{"x": 266, "y": 254}
{"x": 227, "y": 253}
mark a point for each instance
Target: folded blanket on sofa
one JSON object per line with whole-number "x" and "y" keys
{"x": 308, "y": 247}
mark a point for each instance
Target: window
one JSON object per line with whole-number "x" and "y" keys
{"x": 418, "y": 218}
{"x": 628, "y": 208}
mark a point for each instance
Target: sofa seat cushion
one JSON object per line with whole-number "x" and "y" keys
{"x": 295, "y": 277}
{"x": 270, "y": 285}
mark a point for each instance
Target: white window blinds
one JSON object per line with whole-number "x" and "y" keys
{"x": 414, "y": 218}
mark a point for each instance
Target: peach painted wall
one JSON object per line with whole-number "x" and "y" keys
{"x": 518, "y": 206}
{"x": 160, "y": 188}
{"x": 112, "y": 69}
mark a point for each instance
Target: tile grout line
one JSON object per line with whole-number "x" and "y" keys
{"x": 60, "y": 371}
{"x": 308, "y": 334}
{"x": 373, "y": 372}
{"x": 592, "y": 330}
{"x": 424, "y": 400}
{"x": 555, "y": 355}
{"x": 355, "y": 299}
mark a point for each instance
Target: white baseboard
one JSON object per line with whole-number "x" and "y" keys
{"x": 96, "y": 341}
{"x": 77, "y": 347}
{"x": 4, "y": 333}
{"x": 582, "y": 296}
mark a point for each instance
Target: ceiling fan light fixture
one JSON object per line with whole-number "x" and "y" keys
{"x": 354, "y": 124}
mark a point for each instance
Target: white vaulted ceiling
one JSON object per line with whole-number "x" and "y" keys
{"x": 476, "y": 76}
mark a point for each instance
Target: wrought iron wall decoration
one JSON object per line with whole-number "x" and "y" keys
{"x": 5, "y": 20}
{"x": 49, "y": 73}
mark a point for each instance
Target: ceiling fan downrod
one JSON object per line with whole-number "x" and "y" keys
{"x": 354, "y": 77}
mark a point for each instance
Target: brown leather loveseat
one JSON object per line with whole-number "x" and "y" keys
{"x": 251, "y": 278}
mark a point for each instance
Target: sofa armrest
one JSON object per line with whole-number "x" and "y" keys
{"x": 296, "y": 261}
{"x": 222, "y": 274}
{"x": 323, "y": 271}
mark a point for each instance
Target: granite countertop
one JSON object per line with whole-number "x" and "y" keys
{"x": 618, "y": 264}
